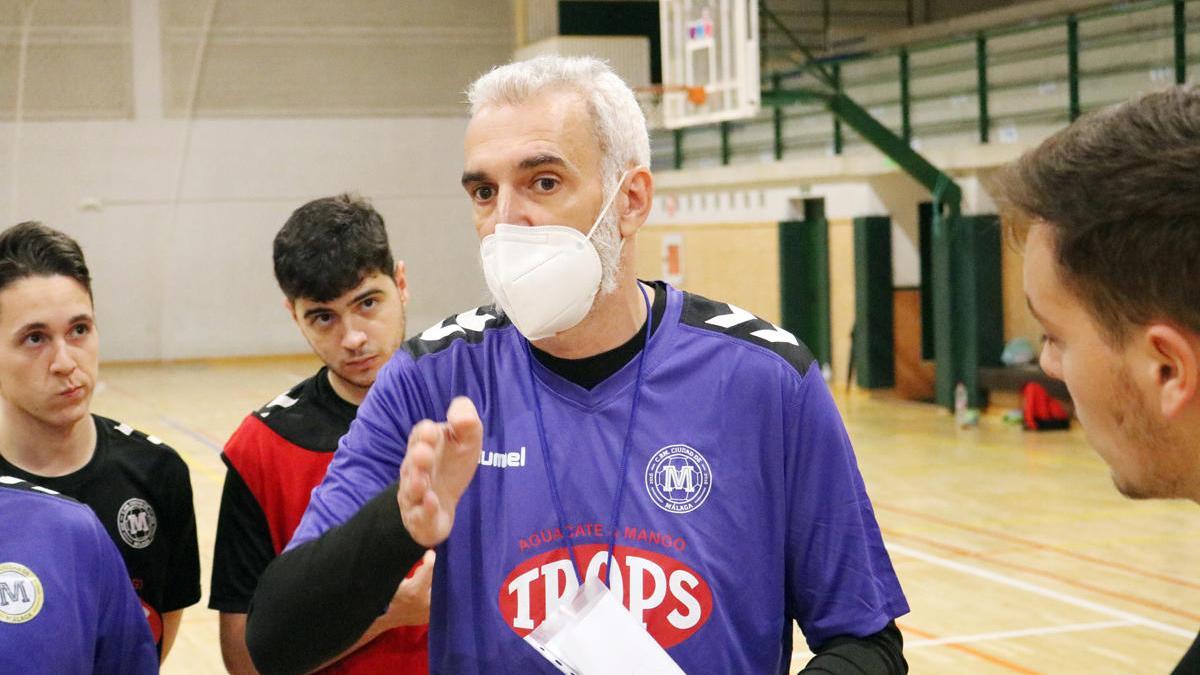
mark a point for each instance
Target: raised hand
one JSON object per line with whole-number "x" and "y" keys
{"x": 439, "y": 464}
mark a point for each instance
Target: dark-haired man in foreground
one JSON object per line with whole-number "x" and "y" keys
{"x": 347, "y": 296}
{"x": 1108, "y": 210}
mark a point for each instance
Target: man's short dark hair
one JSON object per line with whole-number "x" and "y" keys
{"x": 328, "y": 246}
{"x": 31, "y": 249}
{"x": 1120, "y": 191}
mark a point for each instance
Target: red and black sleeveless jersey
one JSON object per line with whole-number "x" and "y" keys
{"x": 141, "y": 491}
{"x": 275, "y": 458}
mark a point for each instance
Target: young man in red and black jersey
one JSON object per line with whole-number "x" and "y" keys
{"x": 138, "y": 487}
{"x": 342, "y": 288}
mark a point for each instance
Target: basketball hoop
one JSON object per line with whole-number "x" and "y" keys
{"x": 651, "y": 99}
{"x": 710, "y": 61}
{"x": 695, "y": 95}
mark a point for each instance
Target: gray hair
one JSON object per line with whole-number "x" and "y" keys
{"x": 617, "y": 120}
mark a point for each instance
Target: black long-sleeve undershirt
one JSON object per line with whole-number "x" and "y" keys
{"x": 877, "y": 654}
{"x": 315, "y": 601}
{"x": 1190, "y": 664}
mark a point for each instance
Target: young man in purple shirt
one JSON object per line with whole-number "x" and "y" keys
{"x": 696, "y": 442}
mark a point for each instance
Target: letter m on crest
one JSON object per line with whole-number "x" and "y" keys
{"x": 678, "y": 478}
{"x": 13, "y": 593}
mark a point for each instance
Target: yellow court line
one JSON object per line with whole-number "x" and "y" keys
{"x": 194, "y": 463}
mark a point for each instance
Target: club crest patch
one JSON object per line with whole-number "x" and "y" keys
{"x": 137, "y": 523}
{"x": 21, "y": 594}
{"x": 678, "y": 479}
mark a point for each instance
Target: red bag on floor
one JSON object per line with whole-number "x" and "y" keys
{"x": 1042, "y": 411}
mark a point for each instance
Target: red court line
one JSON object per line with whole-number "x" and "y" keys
{"x": 969, "y": 650}
{"x": 1039, "y": 545}
{"x": 1049, "y": 575}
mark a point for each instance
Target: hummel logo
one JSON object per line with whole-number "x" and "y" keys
{"x": 502, "y": 460}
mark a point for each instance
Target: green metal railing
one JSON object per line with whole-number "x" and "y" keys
{"x": 826, "y": 91}
{"x": 1073, "y": 109}
{"x": 981, "y": 87}
{"x": 961, "y": 69}
{"x": 784, "y": 23}
{"x": 1180, "y": 21}
{"x": 905, "y": 99}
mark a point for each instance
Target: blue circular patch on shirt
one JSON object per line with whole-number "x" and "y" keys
{"x": 678, "y": 479}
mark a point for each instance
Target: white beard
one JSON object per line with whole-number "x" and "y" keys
{"x": 607, "y": 242}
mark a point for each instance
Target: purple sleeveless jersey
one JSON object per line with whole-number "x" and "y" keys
{"x": 743, "y": 506}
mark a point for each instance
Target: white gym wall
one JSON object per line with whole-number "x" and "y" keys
{"x": 175, "y": 196}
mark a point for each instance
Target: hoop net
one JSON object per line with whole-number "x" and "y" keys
{"x": 651, "y": 100}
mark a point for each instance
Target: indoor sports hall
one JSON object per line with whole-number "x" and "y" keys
{"x": 822, "y": 164}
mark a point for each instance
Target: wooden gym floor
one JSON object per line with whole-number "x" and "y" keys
{"x": 1016, "y": 553}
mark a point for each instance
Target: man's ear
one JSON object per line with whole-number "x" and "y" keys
{"x": 401, "y": 282}
{"x": 1174, "y": 361}
{"x": 637, "y": 201}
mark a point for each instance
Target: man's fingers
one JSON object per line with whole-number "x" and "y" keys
{"x": 414, "y": 473}
{"x": 412, "y": 489}
{"x": 410, "y": 605}
{"x": 425, "y": 432}
{"x": 438, "y": 465}
{"x": 422, "y": 576}
{"x": 465, "y": 427}
{"x": 458, "y": 466}
{"x": 419, "y": 461}
{"x": 420, "y": 518}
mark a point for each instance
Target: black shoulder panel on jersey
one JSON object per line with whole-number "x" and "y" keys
{"x": 470, "y": 326}
{"x": 309, "y": 415}
{"x": 14, "y": 483}
{"x": 719, "y": 317}
{"x": 286, "y": 399}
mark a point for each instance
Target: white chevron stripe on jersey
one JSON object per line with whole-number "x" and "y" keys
{"x": 282, "y": 401}
{"x": 470, "y": 320}
{"x": 10, "y": 480}
{"x": 473, "y": 320}
{"x": 736, "y": 316}
{"x": 439, "y": 331}
{"x": 777, "y": 334}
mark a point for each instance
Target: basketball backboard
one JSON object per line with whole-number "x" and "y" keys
{"x": 710, "y": 62}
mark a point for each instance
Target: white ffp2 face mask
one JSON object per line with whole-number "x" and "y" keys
{"x": 544, "y": 277}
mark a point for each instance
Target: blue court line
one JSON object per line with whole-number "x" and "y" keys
{"x": 193, "y": 434}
